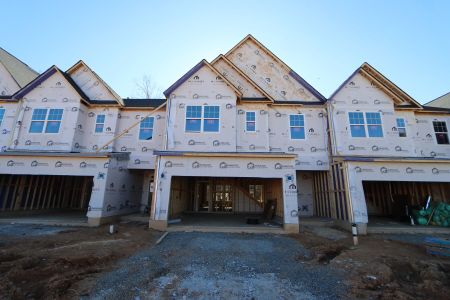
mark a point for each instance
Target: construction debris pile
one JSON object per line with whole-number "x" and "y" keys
{"x": 437, "y": 214}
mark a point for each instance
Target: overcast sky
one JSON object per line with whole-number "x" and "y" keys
{"x": 323, "y": 41}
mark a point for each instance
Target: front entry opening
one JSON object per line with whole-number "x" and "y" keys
{"x": 207, "y": 200}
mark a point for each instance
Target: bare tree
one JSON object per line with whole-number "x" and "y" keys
{"x": 147, "y": 88}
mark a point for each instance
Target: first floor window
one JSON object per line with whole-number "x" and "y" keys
{"x": 202, "y": 118}
{"x": 374, "y": 128}
{"x": 250, "y": 121}
{"x": 193, "y": 118}
{"x": 99, "y": 123}
{"x": 356, "y": 120}
{"x": 146, "y": 129}
{"x": 2, "y": 115}
{"x": 440, "y": 129}
{"x": 401, "y": 127}
{"x": 211, "y": 119}
{"x": 297, "y": 127}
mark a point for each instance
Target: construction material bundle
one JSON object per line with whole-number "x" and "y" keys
{"x": 437, "y": 214}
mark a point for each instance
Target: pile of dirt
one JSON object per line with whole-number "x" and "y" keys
{"x": 65, "y": 264}
{"x": 379, "y": 268}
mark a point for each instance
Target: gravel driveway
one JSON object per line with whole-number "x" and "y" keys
{"x": 198, "y": 265}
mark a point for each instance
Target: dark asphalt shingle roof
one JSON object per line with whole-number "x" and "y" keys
{"x": 150, "y": 103}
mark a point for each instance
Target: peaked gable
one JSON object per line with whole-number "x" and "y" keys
{"x": 271, "y": 73}
{"x": 19, "y": 71}
{"x": 241, "y": 81}
{"x": 8, "y": 85}
{"x": 43, "y": 77}
{"x": 192, "y": 72}
{"x": 398, "y": 96}
{"x": 442, "y": 101}
{"x": 92, "y": 84}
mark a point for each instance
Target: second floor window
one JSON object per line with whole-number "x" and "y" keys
{"x": 99, "y": 123}
{"x": 202, "y": 118}
{"x": 357, "y": 128}
{"x": 250, "y": 121}
{"x": 358, "y": 124}
{"x": 2, "y": 115}
{"x": 374, "y": 127}
{"x": 297, "y": 127}
{"x": 50, "y": 119}
{"x": 401, "y": 127}
{"x": 146, "y": 129}
{"x": 211, "y": 119}
{"x": 440, "y": 130}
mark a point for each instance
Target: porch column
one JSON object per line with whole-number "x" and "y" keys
{"x": 290, "y": 203}
{"x": 161, "y": 197}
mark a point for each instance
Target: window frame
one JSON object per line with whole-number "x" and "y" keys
{"x": 46, "y": 121}
{"x": 297, "y": 126}
{"x": 2, "y": 115}
{"x": 152, "y": 129}
{"x": 193, "y": 118}
{"x": 374, "y": 124}
{"x": 99, "y": 123}
{"x": 202, "y": 119}
{"x": 365, "y": 124}
{"x": 401, "y": 127}
{"x": 441, "y": 132}
{"x": 247, "y": 121}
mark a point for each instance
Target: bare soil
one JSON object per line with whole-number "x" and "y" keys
{"x": 67, "y": 263}
{"x": 382, "y": 268}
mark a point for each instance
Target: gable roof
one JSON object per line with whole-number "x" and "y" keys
{"x": 442, "y": 101}
{"x": 291, "y": 72}
{"x": 19, "y": 71}
{"x": 44, "y": 76}
{"x": 372, "y": 74}
{"x": 192, "y": 71}
{"x": 47, "y": 74}
{"x": 234, "y": 67}
{"x": 80, "y": 64}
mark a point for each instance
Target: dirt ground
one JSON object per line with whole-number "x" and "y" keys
{"x": 383, "y": 266}
{"x": 43, "y": 262}
{"x": 39, "y": 262}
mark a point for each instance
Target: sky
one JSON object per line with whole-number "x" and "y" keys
{"x": 323, "y": 41}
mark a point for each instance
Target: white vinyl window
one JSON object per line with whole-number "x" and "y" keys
{"x": 99, "y": 123}
{"x": 50, "y": 119}
{"x": 250, "y": 121}
{"x": 202, "y": 118}
{"x": 365, "y": 126}
{"x": 401, "y": 127}
{"x": 2, "y": 115}
{"x": 146, "y": 129}
{"x": 297, "y": 127}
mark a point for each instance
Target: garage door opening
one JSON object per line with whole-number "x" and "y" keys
{"x": 391, "y": 202}
{"x": 44, "y": 195}
{"x": 213, "y": 201}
